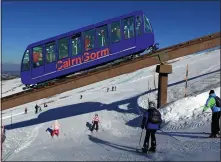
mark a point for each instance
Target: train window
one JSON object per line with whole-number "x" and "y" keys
{"x": 138, "y": 25}
{"x": 37, "y": 57}
{"x": 147, "y": 26}
{"x": 128, "y": 27}
{"x": 63, "y": 48}
{"x": 50, "y": 52}
{"x": 102, "y": 36}
{"x": 89, "y": 39}
{"x": 26, "y": 62}
{"x": 76, "y": 44}
{"x": 115, "y": 32}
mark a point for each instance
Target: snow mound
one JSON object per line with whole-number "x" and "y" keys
{"x": 187, "y": 112}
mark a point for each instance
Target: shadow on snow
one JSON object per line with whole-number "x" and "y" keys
{"x": 89, "y": 107}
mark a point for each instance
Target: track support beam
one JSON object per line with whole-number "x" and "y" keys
{"x": 163, "y": 70}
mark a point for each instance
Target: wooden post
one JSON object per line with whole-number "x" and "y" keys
{"x": 186, "y": 80}
{"x": 163, "y": 70}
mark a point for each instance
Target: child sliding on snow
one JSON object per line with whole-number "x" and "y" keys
{"x": 55, "y": 128}
{"x": 95, "y": 122}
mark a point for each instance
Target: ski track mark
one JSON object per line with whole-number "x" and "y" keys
{"x": 31, "y": 138}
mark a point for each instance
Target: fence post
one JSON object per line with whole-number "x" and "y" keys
{"x": 186, "y": 80}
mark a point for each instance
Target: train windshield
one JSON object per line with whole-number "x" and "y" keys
{"x": 26, "y": 61}
{"x": 147, "y": 26}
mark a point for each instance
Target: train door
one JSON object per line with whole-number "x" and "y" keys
{"x": 115, "y": 43}
{"x": 37, "y": 62}
{"x": 25, "y": 68}
{"x": 128, "y": 34}
{"x": 50, "y": 57}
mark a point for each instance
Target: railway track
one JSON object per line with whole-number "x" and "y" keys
{"x": 96, "y": 75}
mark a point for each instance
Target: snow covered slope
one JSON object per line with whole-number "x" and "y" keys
{"x": 11, "y": 87}
{"x": 120, "y": 113}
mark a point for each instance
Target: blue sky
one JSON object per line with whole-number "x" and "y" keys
{"x": 173, "y": 22}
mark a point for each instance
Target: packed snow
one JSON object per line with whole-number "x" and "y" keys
{"x": 120, "y": 112}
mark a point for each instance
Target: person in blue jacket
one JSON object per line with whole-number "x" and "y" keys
{"x": 151, "y": 122}
{"x": 214, "y": 103}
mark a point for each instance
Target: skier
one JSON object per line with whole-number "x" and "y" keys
{"x": 3, "y": 136}
{"x": 55, "y": 128}
{"x": 40, "y": 108}
{"x": 151, "y": 122}
{"x": 95, "y": 122}
{"x": 36, "y": 109}
{"x": 214, "y": 102}
{"x": 45, "y": 105}
{"x": 26, "y": 110}
{"x": 81, "y": 96}
{"x": 107, "y": 89}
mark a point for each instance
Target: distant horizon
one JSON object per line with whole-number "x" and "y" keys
{"x": 173, "y": 22}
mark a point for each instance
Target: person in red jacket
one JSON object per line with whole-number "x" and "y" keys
{"x": 95, "y": 122}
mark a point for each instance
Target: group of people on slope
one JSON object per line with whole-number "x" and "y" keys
{"x": 152, "y": 122}
{"x": 213, "y": 102}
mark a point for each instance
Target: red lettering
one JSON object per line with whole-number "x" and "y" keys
{"x": 105, "y": 52}
{"x": 73, "y": 61}
{"x": 69, "y": 62}
{"x": 65, "y": 64}
{"x": 93, "y": 56}
{"x": 61, "y": 67}
{"x": 87, "y": 58}
{"x": 78, "y": 60}
{"x": 98, "y": 54}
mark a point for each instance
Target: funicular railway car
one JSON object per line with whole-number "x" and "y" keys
{"x": 86, "y": 47}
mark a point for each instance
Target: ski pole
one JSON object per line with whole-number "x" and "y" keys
{"x": 63, "y": 132}
{"x": 169, "y": 135}
{"x": 140, "y": 136}
{"x": 101, "y": 127}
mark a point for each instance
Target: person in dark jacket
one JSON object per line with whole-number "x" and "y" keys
{"x": 151, "y": 127}
{"x": 216, "y": 113}
{"x": 3, "y": 135}
{"x": 36, "y": 109}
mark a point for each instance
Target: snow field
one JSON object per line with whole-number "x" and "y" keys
{"x": 120, "y": 113}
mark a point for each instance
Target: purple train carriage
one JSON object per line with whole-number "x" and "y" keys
{"x": 85, "y": 48}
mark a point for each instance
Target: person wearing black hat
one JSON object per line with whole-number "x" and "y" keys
{"x": 214, "y": 102}
{"x": 151, "y": 122}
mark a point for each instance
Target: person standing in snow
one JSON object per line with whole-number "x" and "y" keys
{"x": 3, "y": 136}
{"x": 214, "y": 102}
{"x": 36, "y": 109}
{"x": 95, "y": 122}
{"x": 151, "y": 122}
{"x": 45, "y": 105}
{"x": 55, "y": 128}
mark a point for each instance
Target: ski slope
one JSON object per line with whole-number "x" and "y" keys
{"x": 120, "y": 112}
